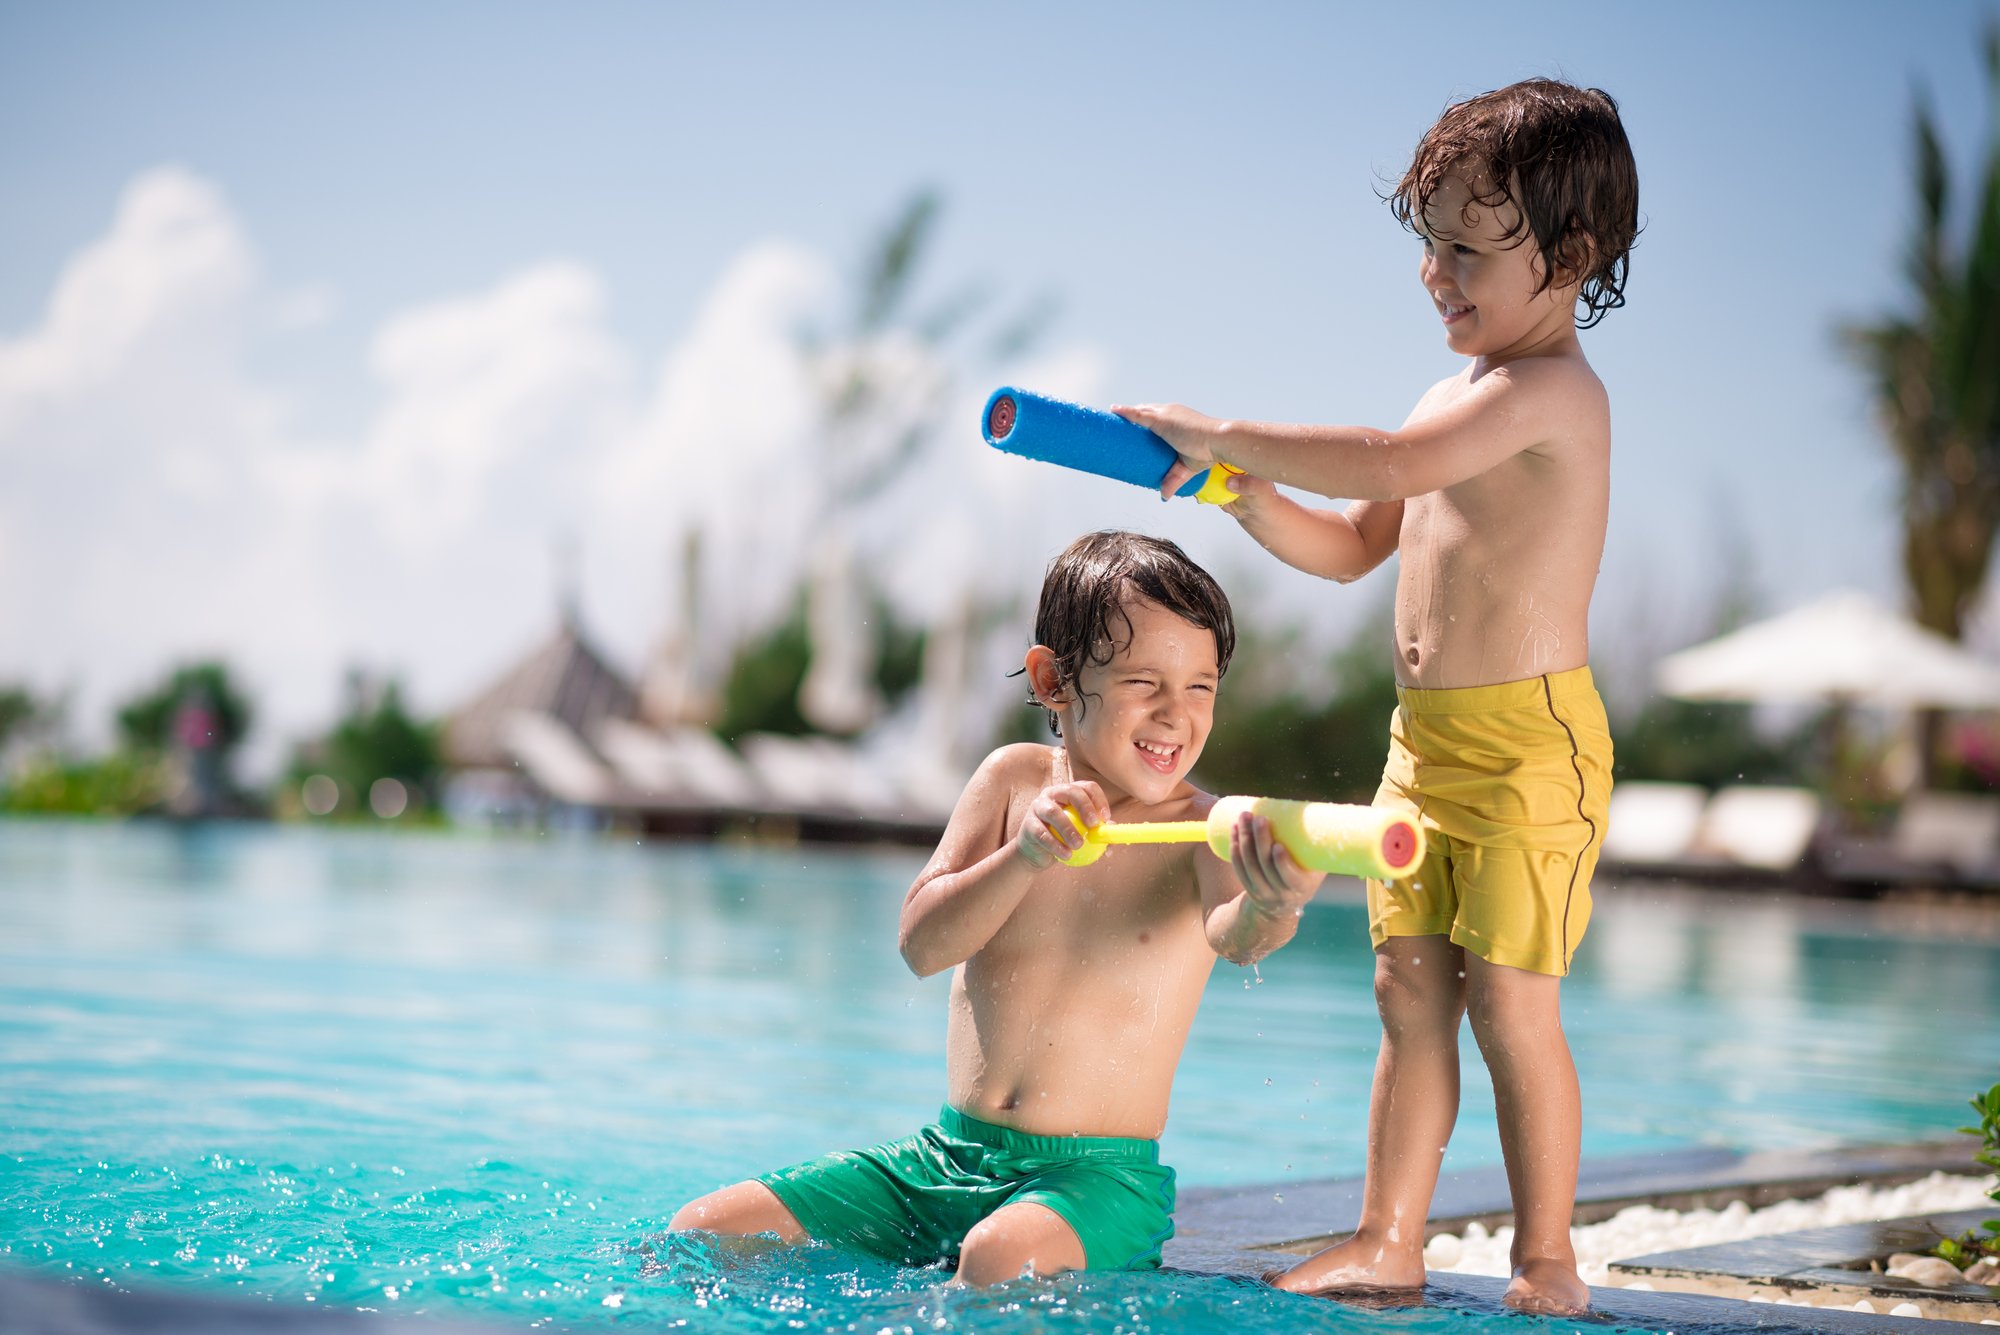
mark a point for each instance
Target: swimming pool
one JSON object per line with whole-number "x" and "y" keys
{"x": 434, "y": 1074}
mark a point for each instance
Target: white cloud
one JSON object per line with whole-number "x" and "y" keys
{"x": 160, "y": 507}
{"x": 166, "y": 285}
{"x": 306, "y": 307}
{"x": 162, "y": 504}
{"x": 723, "y": 449}
{"x": 491, "y": 399}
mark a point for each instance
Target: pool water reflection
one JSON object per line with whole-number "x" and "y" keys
{"x": 451, "y": 1075}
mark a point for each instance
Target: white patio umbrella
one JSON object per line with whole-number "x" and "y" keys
{"x": 1845, "y": 649}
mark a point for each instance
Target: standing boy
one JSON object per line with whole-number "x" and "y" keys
{"x": 1494, "y": 492}
{"x": 1073, "y": 988}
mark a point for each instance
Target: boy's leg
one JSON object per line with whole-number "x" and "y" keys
{"x": 746, "y": 1208}
{"x": 1020, "y": 1237}
{"x": 1517, "y": 1020}
{"x": 1420, "y": 992}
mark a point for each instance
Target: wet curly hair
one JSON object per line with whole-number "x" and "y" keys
{"x": 1087, "y": 586}
{"x": 1559, "y": 155}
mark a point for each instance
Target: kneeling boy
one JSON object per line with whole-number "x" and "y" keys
{"x": 1074, "y": 987}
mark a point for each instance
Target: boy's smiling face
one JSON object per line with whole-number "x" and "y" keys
{"x": 1481, "y": 268}
{"x": 1139, "y": 721}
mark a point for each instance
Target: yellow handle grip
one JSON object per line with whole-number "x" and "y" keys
{"x": 1337, "y": 837}
{"x": 1215, "y": 491}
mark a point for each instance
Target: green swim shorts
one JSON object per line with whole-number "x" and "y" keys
{"x": 913, "y": 1200}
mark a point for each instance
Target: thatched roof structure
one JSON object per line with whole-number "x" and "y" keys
{"x": 564, "y": 678}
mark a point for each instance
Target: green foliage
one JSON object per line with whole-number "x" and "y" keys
{"x": 1985, "y": 1240}
{"x": 1277, "y": 736}
{"x": 375, "y": 738}
{"x": 761, "y": 691}
{"x": 147, "y": 722}
{"x": 899, "y": 654}
{"x": 385, "y": 742}
{"x": 17, "y": 710}
{"x": 47, "y": 783}
{"x": 1707, "y": 742}
{"x": 1933, "y": 371}
{"x": 119, "y": 784}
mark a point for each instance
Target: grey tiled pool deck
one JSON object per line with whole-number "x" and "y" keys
{"x": 1821, "y": 1263}
{"x": 1249, "y": 1230}
{"x": 1292, "y": 1215}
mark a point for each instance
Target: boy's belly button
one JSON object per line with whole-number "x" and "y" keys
{"x": 1411, "y": 655}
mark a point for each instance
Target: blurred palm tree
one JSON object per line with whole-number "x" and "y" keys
{"x": 885, "y": 378}
{"x": 1936, "y": 375}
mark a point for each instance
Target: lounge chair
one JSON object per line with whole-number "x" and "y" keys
{"x": 1768, "y": 828}
{"x": 1652, "y": 824}
{"x": 684, "y": 765}
{"x": 1960, "y": 831}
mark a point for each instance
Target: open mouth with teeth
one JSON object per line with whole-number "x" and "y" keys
{"x": 1162, "y": 756}
{"x": 1451, "y": 312}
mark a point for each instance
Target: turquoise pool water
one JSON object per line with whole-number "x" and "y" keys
{"x": 444, "y": 1075}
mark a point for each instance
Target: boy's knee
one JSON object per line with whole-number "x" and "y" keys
{"x": 744, "y": 1208}
{"x": 700, "y": 1212}
{"x": 1412, "y": 991}
{"x": 1018, "y": 1240}
{"x": 988, "y": 1256}
{"x": 1503, "y": 1002}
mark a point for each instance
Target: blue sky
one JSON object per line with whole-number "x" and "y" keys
{"x": 320, "y": 323}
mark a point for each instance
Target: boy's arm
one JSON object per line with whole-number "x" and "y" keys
{"x": 1327, "y": 543}
{"x": 1505, "y": 411}
{"x": 1251, "y": 903}
{"x": 979, "y": 874}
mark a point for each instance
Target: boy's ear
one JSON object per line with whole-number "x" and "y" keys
{"x": 1573, "y": 260}
{"x": 1045, "y": 675}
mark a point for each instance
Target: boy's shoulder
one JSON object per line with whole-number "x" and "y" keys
{"x": 1553, "y": 391}
{"x": 1019, "y": 764}
{"x": 1565, "y": 389}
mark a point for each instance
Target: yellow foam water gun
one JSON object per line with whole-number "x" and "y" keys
{"x": 1338, "y": 837}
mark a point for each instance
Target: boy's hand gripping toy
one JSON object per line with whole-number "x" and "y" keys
{"x": 1325, "y": 836}
{"x": 1035, "y": 426}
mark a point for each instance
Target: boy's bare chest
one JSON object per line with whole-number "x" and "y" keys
{"x": 1134, "y": 896}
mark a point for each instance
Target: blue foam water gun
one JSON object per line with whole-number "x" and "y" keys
{"x": 1055, "y": 431}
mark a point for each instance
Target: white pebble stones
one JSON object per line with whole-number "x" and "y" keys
{"x": 1933, "y": 1272}
{"x": 1641, "y": 1229}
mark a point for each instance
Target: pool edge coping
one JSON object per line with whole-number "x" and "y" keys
{"x": 1695, "y": 1177}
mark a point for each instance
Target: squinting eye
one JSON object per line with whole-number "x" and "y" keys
{"x": 1462, "y": 250}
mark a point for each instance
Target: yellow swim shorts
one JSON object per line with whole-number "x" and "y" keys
{"x": 1510, "y": 783}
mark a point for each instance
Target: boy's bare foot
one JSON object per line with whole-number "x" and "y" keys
{"x": 1358, "y": 1265}
{"x": 1546, "y": 1285}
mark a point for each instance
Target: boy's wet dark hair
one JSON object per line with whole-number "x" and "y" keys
{"x": 1081, "y": 616}
{"x": 1556, "y": 152}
